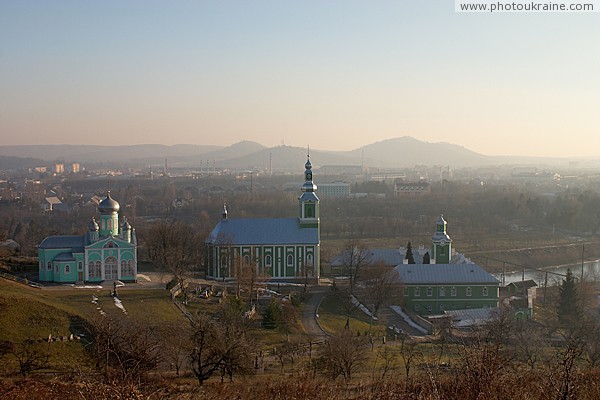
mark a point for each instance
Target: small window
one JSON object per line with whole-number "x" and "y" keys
{"x": 290, "y": 260}
{"x": 268, "y": 260}
{"x": 417, "y": 291}
{"x": 453, "y": 291}
{"x": 429, "y": 292}
{"x": 442, "y": 292}
{"x": 429, "y": 308}
{"x": 246, "y": 260}
{"x": 309, "y": 260}
{"x": 223, "y": 261}
{"x": 485, "y": 291}
{"x": 469, "y": 291}
{"x": 441, "y": 307}
{"x": 417, "y": 307}
{"x": 49, "y": 265}
{"x": 80, "y": 266}
{"x": 67, "y": 269}
{"x": 56, "y": 269}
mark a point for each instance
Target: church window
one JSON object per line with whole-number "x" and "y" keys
{"x": 469, "y": 291}
{"x": 441, "y": 307}
{"x": 485, "y": 291}
{"x": 442, "y": 292}
{"x": 56, "y": 269}
{"x": 223, "y": 261}
{"x": 109, "y": 223}
{"x": 95, "y": 269}
{"x": 309, "y": 212}
{"x": 246, "y": 260}
{"x": 67, "y": 269}
{"x": 429, "y": 308}
{"x": 80, "y": 266}
{"x": 290, "y": 260}
{"x": 49, "y": 265}
{"x": 453, "y": 291}
{"x": 417, "y": 307}
{"x": 309, "y": 260}
{"x": 417, "y": 291}
{"x": 429, "y": 292}
{"x": 268, "y": 260}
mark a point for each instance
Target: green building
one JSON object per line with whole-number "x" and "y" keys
{"x": 431, "y": 289}
{"x": 108, "y": 251}
{"x": 285, "y": 249}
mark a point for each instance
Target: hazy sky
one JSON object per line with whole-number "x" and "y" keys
{"x": 333, "y": 74}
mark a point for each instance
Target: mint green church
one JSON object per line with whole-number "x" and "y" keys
{"x": 282, "y": 249}
{"x": 107, "y": 252}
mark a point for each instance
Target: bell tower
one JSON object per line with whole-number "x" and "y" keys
{"x": 441, "y": 248}
{"x": 308, "y": 200}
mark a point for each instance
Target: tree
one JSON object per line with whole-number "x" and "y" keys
{"x": 343, "y": 353}
{"x": 222, "y": 345}
{"x": 124, "y": 349}
{"x": 380, "y": 284}
{"x": 355, "y": 256}
{"x": 409, "y": 254}
{"x": 31, "y": 355}
{"x": 569, "y": 307}
{"x": 426, "y": 258}
{"x": 175, "y": 248}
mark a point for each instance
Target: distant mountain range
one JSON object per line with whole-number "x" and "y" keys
{"x": 392, "y": 153}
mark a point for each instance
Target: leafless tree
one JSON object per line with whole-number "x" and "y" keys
{"x": 124, "y": 349}
{"x": 176, "y": 345}
{"x": 31, "y": 355}
{"x": 409, "y": 352}
{"x": 343, "y": 353}
{"x": 221, "y": 346}
{"x": 354, "y": 258}
{"x": 381, "y": 283}
{"x": 175, "y": 248}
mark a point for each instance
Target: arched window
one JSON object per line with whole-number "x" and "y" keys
{"x": 290, "y": 260}
{"x": 110, "y": 268}
{"x": 223, "y": 261}
{"x": 268, "y": 260}
{"x": 429, "y": 291}
{"x": 453, "y": 291}
{"x": 49, "y": 266}
{"x": 67, "y": 269}
{"x": 309, "y": 260}
{"x": 123, "y": 267}
{"x": 246, "y": 259}
{"x": 80, "y": 266}
{"x": 485, "y": 291}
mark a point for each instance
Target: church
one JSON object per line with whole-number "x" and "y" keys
{"x": 282, "y": 249}
{"x": 106, "y": 252}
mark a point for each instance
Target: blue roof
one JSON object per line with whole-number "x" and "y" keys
{"x": 75, "y": 243}
{"x": 413, "y": 274}
{"x": 262, "y": 231}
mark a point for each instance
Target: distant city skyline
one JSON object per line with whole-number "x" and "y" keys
{"x": 335, "y": 75}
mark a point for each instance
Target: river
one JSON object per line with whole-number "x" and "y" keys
{"x": 591, "y": 271}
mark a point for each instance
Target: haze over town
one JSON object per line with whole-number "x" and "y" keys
{"x": 336, "y": 75}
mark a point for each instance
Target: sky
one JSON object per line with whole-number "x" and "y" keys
{"x": 332, "y": 74}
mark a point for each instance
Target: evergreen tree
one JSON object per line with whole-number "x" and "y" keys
{"x": 426, "y": 258}
{"x": 409, "y": 254}
{"x": 569, "y": 307}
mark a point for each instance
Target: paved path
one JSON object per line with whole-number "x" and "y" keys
{"x": 309, "y": 314}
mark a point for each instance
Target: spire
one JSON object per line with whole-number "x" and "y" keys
{"x": 224, "y": 212}
{"x": 308, "y": 186}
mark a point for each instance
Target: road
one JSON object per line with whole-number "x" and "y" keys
{"x": 309, "y": 314}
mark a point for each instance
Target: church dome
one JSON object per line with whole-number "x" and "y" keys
{"x": 126, "y": 226}
{"x": 108, "y": 205}
{"x": 93, "y": 225}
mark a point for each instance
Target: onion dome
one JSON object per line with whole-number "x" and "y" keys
{"x": 93, "y": 225}
{"x": 108, "y": 205}
{"x": 126, "y": 226}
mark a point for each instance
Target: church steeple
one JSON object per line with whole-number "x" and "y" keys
{"x": 441, "y": 243}
{"x": 309, "y": 202}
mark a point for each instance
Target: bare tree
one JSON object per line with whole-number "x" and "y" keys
{"x": 343, "y": 353}
{"x": 355, "y": 256}
{"x": 222, "y": 345}
{"x": 176, "y": 345}
{"x": 381, "y": 283}
{"x": 31, "y": 355}
{"x": 409, "y": 352}
{"x": 125, "y": 350}
{"x": 175, "y": 248}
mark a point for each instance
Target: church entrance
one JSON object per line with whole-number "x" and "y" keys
{"x": 110, "y": 269}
